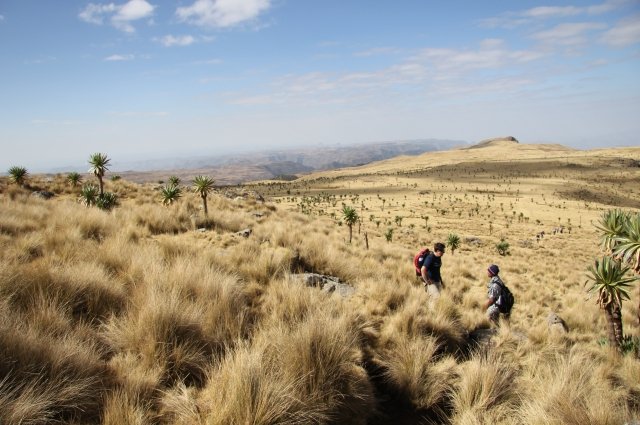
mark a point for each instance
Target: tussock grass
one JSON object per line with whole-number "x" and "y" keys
{"x": 413, "y": 367}
{"x": 485, "y": 392}
{"x": 47, "y": 379}
{"x": 310, "y": 373}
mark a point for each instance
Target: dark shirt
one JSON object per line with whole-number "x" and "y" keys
{"x": 433, "y": 263}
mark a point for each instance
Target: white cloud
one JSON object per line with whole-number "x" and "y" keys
{"x": 222, "y": 13}
{"x": 94, "y": 13}
{"x": 120, "y": 16}
{"x": 180, "y": 40}
{"x": 119, "y": 58}
{"x": 1, "y": 18}
{"x": 569, "y": 34}
{"x": 624, "y": 33}
{"x": 546, "y": 12}
{"x": 491, "y": 54}
{"x": 523, "y": 17}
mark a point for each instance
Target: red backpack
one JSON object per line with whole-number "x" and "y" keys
{"x": 418, "y": 260}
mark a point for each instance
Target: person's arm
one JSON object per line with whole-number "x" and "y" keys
{"x": 489, "y": 302}
{"x": 425, "y": 277}
{"x": 425, "y": 269}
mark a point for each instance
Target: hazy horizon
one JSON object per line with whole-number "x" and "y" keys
{"x": 159, "y": 79}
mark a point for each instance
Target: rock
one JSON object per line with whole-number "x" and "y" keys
{"x": 342, "y": 289}
{"x": 244, "y": 233}
{"x": 328, "y": 284}
{"x": 473, "y": 240}
{"x": 556, "y": 324}
{"x": 43, "y": 194}
{"x": 238, "y": 195}
{"x": 258, "y": 214}
{"x": 201, "y": 230}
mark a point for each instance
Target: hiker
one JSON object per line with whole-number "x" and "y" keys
{"x": 499, "y": 298}
{"x": 430, "y": 271}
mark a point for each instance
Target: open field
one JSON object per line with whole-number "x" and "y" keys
{"x": 152, "y": 314}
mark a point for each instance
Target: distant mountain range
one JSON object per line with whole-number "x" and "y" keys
{"x": 278, "y": 164}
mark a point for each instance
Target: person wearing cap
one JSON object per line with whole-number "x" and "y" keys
{"x": 495, "y": 290}
{"x": 430, "y": 271}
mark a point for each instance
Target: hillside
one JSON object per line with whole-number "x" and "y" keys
{"x": 267, "y": 164}
{"x": 153, "y": 314}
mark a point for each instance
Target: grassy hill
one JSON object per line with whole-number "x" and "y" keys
{"x": 152, "y": 314}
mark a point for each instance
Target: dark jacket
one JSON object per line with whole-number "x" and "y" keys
{"x": 433, "y": 264}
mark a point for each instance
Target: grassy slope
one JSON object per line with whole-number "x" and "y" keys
{"x": 134, "y": 316}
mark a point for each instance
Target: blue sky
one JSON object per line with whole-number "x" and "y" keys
{"x": 147, "y": 78}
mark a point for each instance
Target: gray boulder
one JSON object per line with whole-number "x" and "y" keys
{"x": 326, "y": 283}
{"x": 43, "y": 194}
{"x": 556, "y": 324}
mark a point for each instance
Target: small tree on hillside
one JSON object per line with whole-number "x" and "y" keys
{"x": 203, "y": 185}
{"x": 18, "y": 175}
{"x": 170, "y": 194}
{"x": 620, "y": 238}
{"x": 174, "y": 180}
{"x": 89, "y": 194}
{"x": 502, "y": 247}
{"x": 350, "y": 217}
{"x": 609, "y": 281}
{"x": 453, "y": 242}
{"x": 99, "y": 166}
{"x": 74, "y": 178}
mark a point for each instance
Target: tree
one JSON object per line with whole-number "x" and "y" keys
{"x": 74, "y": 178}
{"x": 502, "y": 247}
{"x": 174, "y": 180}
{"x": 170, "y": 193}
{"x": 89, "y": 194}
{"x": 620, "y": 238}
{"x": 611, "y": 227}
{"x": 203, "y": 185}
{"x": 350, "y": 218}
{"x": 453, "y": 242}
{"x": 608, "y": 280}
{"x": 388, "y": 235}
{"x": 18, "y": 175}
{"x": 106, "y": 201}
{"x": 99, "y": 166}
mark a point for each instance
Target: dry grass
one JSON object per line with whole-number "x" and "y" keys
{"x": 154, "y": 315}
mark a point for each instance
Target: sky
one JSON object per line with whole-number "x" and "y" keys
{"x": 145, "y": 79}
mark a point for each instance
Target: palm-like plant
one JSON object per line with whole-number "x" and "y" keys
{"x": 627, "y": 248}
{"x": 203, "y": 185}
{"x": 611, "y": 226}
{"x": 453, "y": 242}
{"x": 89, "y": 195}
{"x": 99, "y": 166}
{"x": 627, "y": 242}
{"x": 18, "y": 175}
{"x": 170, "y": 194}
{"x": 106, "y": 201}
{"x": 74, "y": 178}
{"x": 608, "y": 279}
{"x": 174, "y": 180}
{"x": 350, "y": 217}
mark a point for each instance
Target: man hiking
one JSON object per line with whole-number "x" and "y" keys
{"x": 499, "y": 298}
{"x": 430, "y": 271}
